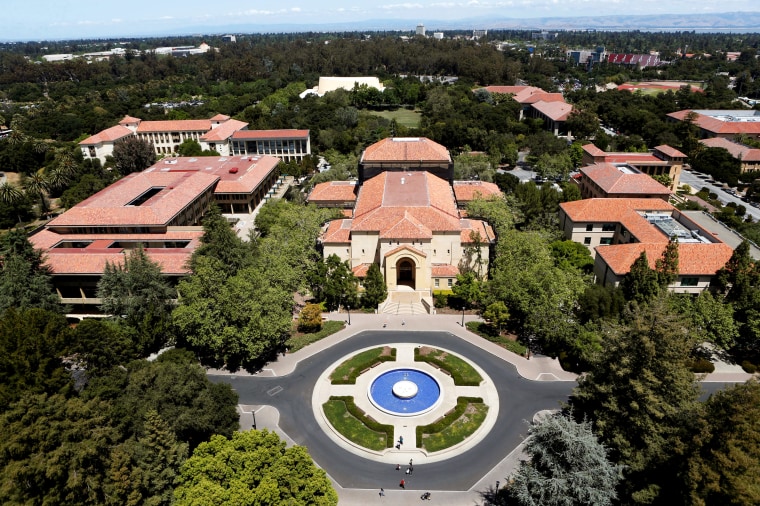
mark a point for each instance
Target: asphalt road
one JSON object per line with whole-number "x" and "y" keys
{"x": 519, "y": 400}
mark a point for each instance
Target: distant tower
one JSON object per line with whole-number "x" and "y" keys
{"x": 421, "y": 29}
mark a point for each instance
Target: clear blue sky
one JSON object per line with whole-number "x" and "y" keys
{"x": 74, "y": 19}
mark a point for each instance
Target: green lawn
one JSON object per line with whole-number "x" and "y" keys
{"x": 462, "y": 372}
{"x": 454, "y": 428}
{"x": 347, "y": 372}
{"x": 352, "y": 428}
{"x": 404, "y": 117}
{"x": 487, "y": 332}
{"x": 298, "y": 340}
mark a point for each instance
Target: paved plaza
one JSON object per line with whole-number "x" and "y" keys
{"x": 285, "y": 397}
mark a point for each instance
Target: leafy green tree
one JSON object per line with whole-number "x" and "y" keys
{"x": 599, "y": 301}
{"x": 133, "y": 155}
{"x": 138, "y": 292}
{"x": 88, "y": 185}
{"x": 252, "y": 468}
{"x": 566, "y": 466}
{"x": 232, "y": 321}
{"x": 190, "y": 147}
{"x": 55, "y": 450}
{"x": 712, "y": 318}
{"x": 582, "y": 123}
{"x": 726, "y": 469}
{"x": 572, "y": 255}
{"x": 36, "y": 187}
{"x": 643, "y": 399}
{"x": 498, "y": 314}
{"x": 551, "y": 166}
{"x": 642, "y": 283}
{"x": 340, "y": 285}
{"x": 102, "y": 344}
{"x": 219, "y": 241}
{"x": 24, "y": 281}
{"x": 32, "y": 344}
{"x": 177, "y": 388}
{"x": 375, "y": 289}
{"x": 13, "y": 198}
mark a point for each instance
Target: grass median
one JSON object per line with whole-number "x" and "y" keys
{"x": 357, "y": 426}
{"x": 454, "y": 427}
{"x": 461, "y": 372}
{"x": 347, "y": 372}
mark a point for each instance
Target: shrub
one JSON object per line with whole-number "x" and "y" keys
{"x": 749, "y": 367}
{"x": 347, "y": 372}
{"x": 701, "y": 365}
{"x": 460, "y": 371}
{"x": 310, "y": 319}
{"x": 441, "y": 298}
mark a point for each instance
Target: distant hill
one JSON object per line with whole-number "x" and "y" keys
{"x": 719, "y": 22}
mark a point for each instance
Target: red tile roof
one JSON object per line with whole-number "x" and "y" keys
{"x": 73, "y": 262}
{"x": 223, "y": 131}
{"x": 338, "y": 232}
{"x": 481, "y": 227}
{"x": 360, "y": 271}
{"x": 444, "y": 270}
{"x": 46, "y": 239}
{"x": 108, "y": 135}
{"x": 624, "y": 211}
{"x": 237, "y": 174}
{"x": 402, "y": 205}
{"x": 612, "y": 181}
{"x": 693, "y": 258}
{"x": 406, "y": 248}
{"x": 556, "y": 110}
{"x": 745, "y": 153}
{"x": 333, "y": 191}
{"x": 110, "y": 206}
{"x": 403, "y": 149}
{"x": 717, "y": 126}
{"x": 511, "y": 90}
{"x": 179, "y": 125}
{"x": 669, "y": 151}
{"x": 220, "y": 117}
{"x": 270, "y": 134}
{"x": 129, "y": 119}
{"x": 465, "y": 191}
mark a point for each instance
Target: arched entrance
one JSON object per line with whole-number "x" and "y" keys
{"x": 405, "y": 273}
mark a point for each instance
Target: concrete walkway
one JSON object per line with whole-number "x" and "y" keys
{"x": 537, "y": 368}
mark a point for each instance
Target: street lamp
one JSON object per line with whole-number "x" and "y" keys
{"x": 348, "y": 308}
{"x": 253, "y": 412}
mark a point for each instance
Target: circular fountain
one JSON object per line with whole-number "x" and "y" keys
{"x": 405, "y": 392}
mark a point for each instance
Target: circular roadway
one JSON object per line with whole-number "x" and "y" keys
{"x": 291, "y": 395}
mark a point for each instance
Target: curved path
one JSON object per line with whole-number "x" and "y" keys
{"x": 287, "y": 386}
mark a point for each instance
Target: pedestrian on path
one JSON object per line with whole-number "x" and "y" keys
{"x": 398, "y": 467}
{"x": 411, "y": 469}
{"x": 402, "y": 484}
{"x": 382, "y": 492}
{"x": 410, "y": 462}
{"x": 408, "y": 470}
{"x": 401, "y": 440}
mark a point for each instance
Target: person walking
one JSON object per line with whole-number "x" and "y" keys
{"x": 410, "y": 462}
{"x": 398, "y": 467}
{"x": 411, "y": 469}
{"x": 382, "y": 492}
{"x": 402, "y": 484}
{"x": 401, "y": 440}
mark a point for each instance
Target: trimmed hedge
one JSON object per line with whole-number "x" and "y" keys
{"x": 367, "y": 420}
{"x": 459, "y": 378}
{"x": 701, "y": 365}
{"x": 360, "y": 363}
{"x": 447, "y": 419}
{"x": 298, "y": 341}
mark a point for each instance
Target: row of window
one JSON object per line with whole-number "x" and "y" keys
{"x": 606, "y": 227}
{"x": 450, "y": 282}
{"x": 603, "y": 241}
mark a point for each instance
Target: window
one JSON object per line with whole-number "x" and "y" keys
{"x": 451, "y": 282}
{"x": 605, "y": 240}
{"x": 586, "y": 241}
{"x": 437, "y": 282}
{"x": 608, "y": 227}
{"x": 689, "y": 281}
{"x": 589, "y": 227}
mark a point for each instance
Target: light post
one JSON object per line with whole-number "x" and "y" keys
{"x": 497, "y": 486}
{"x": 254, "y": 419}
{"x": 348, "y": 308}
{"x": 530, "y": 345}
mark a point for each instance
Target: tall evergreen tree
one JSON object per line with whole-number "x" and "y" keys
{"x": 133, "y": 155}
{"x": 667, "y": 266}
{"x": 641, "y": 284}
{"x": 219, "y": 241}
{"x": 24, "y": 281}
{"x": 375, "y": 290}
{"x": 566, "y": 466}
{"x": 643, "y": 399}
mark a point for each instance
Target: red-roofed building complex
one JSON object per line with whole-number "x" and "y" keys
{"x": 537, "y": 103}
{"x": 616, "y": 231}
{"x": 606, "y": 180}
{"x": 165, "y": 135}
{"x": 749, "y": 158}
{"x": 160, "y": 209}
{"x": 406, "y": 219}
{"x": 728, "y": 124}
{"x": 662, "y": 160}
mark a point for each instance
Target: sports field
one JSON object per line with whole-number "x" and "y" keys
{"x": 404, "y": 117}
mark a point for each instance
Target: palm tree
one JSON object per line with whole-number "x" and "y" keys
{"x": 10, "y": 194}
{"x": 36, "y": 186}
